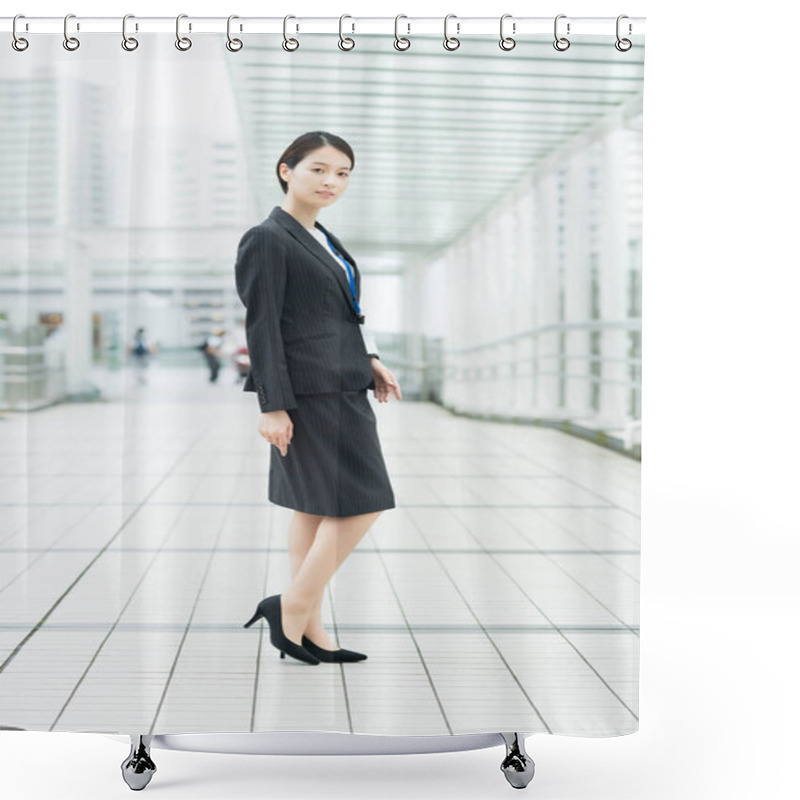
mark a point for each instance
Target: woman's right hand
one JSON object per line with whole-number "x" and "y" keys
{"x": 277, "y": 428}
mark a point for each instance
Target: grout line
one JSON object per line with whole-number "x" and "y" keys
{"x": 186, "y": 628}
{"x": 78, "y": 578}
{"x": 483, "y": 627}
{"x": 416, "y": 644}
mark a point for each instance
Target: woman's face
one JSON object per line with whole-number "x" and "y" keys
{"x": 320, "y": 178}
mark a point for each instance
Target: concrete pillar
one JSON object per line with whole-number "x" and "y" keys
{"x": 78, "y": 321}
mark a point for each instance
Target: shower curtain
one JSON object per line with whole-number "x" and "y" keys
{"x": 494, "y": 216}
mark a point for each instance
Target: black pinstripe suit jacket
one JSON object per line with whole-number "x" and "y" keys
{"x": 302, "y": 329}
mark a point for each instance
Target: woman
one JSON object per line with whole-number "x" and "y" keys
{"x": 311, "y": 369}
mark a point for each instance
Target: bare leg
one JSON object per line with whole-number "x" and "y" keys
{"x": 301, "y": 536}
{"x": 335, "y": 539}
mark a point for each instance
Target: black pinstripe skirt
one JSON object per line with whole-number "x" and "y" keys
{"x": 334, "y": 464}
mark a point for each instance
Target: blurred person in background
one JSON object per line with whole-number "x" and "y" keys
{"x": 141, "y": 349}
{"x": 212, "y": 350}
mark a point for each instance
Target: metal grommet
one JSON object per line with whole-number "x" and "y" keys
{"x": 451, "y": 42}
{"x": 560, "y": 40}
{"x": 128, "y": 42}
{"x": 18, "y": 42}
{"x": 400, "y": 42}
{"x": 623, "y": 45}
{"x": 183, "y": 43}
{"x": 507, "y": 42}
{"x": 234, "y": 45}
{"x": 345, "y": 42}
{"x": 70, "y": 42}
{"x": 295, "y": 44}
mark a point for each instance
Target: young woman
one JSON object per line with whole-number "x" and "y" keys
{"x": 311, "y": 369}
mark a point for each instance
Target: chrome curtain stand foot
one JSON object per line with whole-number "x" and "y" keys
{"x": 517, "y": 766}
{"x": 138, "y": 768}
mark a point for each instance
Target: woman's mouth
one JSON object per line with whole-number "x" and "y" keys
{"x": 326, "y": 194}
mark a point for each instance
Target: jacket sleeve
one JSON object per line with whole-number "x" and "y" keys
{"x": 260, "y": 283}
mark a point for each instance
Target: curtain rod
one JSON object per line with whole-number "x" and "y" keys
{"x": 349, "y": 25}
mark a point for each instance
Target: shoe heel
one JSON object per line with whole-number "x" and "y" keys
{"x": 255, "y": 616}
{"x": 283, "y": 655}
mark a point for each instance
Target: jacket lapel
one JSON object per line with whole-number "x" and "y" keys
{"x": 318, "y": 251}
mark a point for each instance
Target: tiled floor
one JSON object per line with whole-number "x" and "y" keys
{"x": 501, "y": 594}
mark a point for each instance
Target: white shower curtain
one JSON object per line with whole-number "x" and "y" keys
{"x": 494, "y": 211}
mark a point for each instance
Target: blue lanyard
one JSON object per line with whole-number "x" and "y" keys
{"x": 349, "y": 273}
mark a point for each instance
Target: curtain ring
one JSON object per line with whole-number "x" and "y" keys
{"x": 345, "y": 42}
{"x": 70, "y": 42}
{"x": 295, "y": 44}
{"x": 623, "y": 45}
{"x": 182, "y": 42}
{"x": 507, "y": 42}
{"x": 128, "y": 42}
{"x": 400, "y": 42}
{"x": 560, "y": 40}
{"x": 451, "y": 42}
{"x": 18, "y": 42}
{"x": 234, "y": 45}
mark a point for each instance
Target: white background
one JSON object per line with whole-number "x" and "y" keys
{"x": 719, "y": 613}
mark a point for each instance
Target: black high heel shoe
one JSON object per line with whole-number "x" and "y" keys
{"x": 332, "y": 656}
{"x": 270, "y": 609}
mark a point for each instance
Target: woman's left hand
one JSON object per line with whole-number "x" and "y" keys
{"x": 385, "y": 382}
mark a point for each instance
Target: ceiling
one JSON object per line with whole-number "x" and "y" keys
{"x": 439, "y": 136}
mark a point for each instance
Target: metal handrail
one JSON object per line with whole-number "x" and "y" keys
{"x": 634, "y": 323}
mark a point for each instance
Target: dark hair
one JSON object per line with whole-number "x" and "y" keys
{"x": 304, "y": 144}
